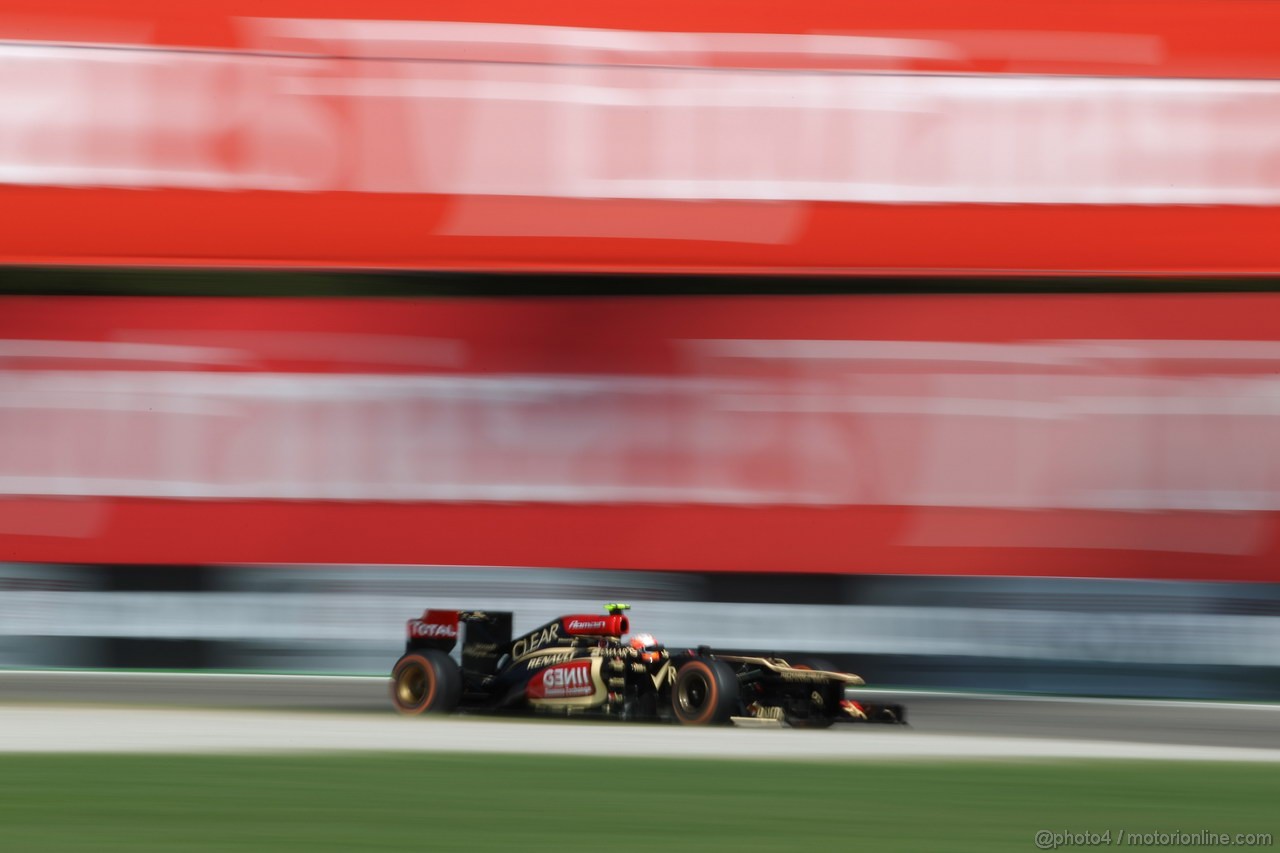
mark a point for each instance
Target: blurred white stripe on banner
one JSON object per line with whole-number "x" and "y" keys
{"x": 523, "y": 110}
{"x": 1131, "y": 426}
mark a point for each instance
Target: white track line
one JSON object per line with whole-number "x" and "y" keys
{"x": 29, "y": 729}
{"x": 1203, "y": 704}
{"x": 904, "y": 693}
{"x": 161, "y": 675}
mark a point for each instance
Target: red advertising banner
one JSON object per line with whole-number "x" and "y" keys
{"x": 1001, "y": 137}
{"x": 1075, "y": 435}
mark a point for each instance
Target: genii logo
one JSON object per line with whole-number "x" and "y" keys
{"x": 563, "y": 681}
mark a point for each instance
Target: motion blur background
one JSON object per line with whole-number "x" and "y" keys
{"x": 939, "y": 339}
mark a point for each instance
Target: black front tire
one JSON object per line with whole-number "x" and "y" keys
{"x": 817, "y": 714}
{"x": 891, "y": 714}
{"x": 821, "y": 664}
{"x": 706, "y": 693}
{"x": 816, "y": 719}
{"x": 426, "y": 681}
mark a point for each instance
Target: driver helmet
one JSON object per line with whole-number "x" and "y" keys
{"x": 649, "y": 649}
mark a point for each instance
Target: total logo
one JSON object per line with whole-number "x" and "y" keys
{"x": 563, "y": 681}
{"x": 432, "y": 630}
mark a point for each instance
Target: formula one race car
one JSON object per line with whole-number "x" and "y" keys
{"x": 579, "y": 664}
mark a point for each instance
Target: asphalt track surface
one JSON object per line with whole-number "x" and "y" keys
{"x": 1088, "y": 726}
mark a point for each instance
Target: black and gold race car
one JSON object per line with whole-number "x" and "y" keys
{"x": 581, "y": 664}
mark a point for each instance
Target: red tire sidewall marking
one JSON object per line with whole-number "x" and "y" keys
{"x": 713, "y": 692}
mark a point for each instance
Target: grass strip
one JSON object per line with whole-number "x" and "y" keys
{"x": 142, "y": 803}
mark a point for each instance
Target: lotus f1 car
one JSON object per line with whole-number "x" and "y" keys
{"x": 580, "y": 664}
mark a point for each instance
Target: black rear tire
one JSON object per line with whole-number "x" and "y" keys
{"x": 426, "y": 681}
{"x": 706, "y": 693}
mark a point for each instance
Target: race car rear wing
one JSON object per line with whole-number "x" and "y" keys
{"x": 487, "y": 639}
{"x": 486, "y": 635}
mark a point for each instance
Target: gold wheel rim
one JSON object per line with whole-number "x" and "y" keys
{"x": 411, "y": 686}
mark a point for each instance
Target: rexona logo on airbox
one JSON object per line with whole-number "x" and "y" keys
{"x": 563, "y": 681}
